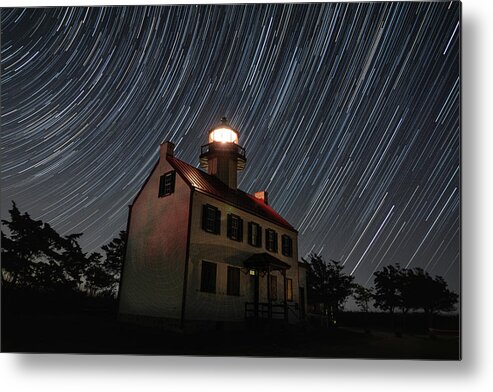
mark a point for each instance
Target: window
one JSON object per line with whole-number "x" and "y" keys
{"x": 289, "y": 289}
{"x": 273, "y": 287}
{"x": 287, "y": 246}
{"x": 211, "y": 219}
{"x": 271, "y": 240}
{"x": 208, "y": 277}
{"x": 235, "y": 227}
{"x": 233, "y": 281}
{"x": 166, "y": 184}
{"x": 254, "y": 234}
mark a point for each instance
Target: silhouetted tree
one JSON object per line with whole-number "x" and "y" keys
{"x": 363, "y": 297}
{"x": 115, "y": 252}
{"x": 34, "y": 255}
{"x": 388, "y": 283}
{"x": 30, "y": 256}
{"x": 328, "y": 284}
{"x": 412, "y": 289}
{"x": 431, "y": 294}
{"x": 103, "y": 274}
{"x": 97, "y": 280}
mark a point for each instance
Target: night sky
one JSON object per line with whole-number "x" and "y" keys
{"x": 350, "y": 115}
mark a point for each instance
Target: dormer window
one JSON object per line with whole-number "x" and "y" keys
{"x": 167, "y": 184}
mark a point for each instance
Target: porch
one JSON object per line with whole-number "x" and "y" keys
{"x": 263, "y": 265}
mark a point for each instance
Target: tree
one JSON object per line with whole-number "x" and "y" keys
{"x": 30, "y": 256}
{"x": 328, "y": 284}
{"x": 431, "y": 294}
{"x": 412, "y": 289}
{"x": 363, "y": 297}
{"x": 35, "y": 256}
{"x": 103, "y": 275}
{"x": 115, "y": 253}
{"x": 387, "y": 288}
{"x": 387, "y": 295}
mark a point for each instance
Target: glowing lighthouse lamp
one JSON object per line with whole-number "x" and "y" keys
{"x": 223, "y": 135}
{"x": 222, "y": 156}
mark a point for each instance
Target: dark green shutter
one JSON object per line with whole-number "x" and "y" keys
{"x": 217, "y": 225}
{"x": 204, "y": 217}
{"x": 275, "y": 241}
{"x": 173, "y": 176}
{"x": 161, "y": 186}
{"x": 250, "y": 233}
{"x": 240, "y": 229}
{"x": 259, "y": 241}
{"x": 230, "y": 224}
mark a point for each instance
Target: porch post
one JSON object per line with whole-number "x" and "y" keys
{"x": 285, "y": 295}
{"x": 269, "y": 300}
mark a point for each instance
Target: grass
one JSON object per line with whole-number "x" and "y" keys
{"x": 101, "y": 333}
{"x": 68, "y": 323}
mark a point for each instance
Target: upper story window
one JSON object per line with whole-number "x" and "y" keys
{"x": 287, "y": 246}
{"x": 235, "y": 227}
{"x": 211, "y": 219}
{"x": 167, "y": 184}
{"x": 254, "y": 234}
{"x": 271, "y": 240}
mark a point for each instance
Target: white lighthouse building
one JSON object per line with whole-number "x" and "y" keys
{"x": 201, "y": 250}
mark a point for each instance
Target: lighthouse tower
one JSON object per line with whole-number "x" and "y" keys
{"x": 222, "y": 156}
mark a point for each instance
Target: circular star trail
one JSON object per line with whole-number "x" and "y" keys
{"x": 350, "y": 115}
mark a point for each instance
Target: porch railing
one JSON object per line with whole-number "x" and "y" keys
{"x": 277, "y": 311}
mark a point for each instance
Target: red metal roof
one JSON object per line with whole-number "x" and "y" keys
{"x": 213, "y": 186}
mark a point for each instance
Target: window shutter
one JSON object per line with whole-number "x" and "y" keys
{"x": 230, "y": 218}
{"x": 161, "y": 186}
{"x": 217, "y": 226}
{"x": 250, "y": 242}
{"x": 240, "y": 229}
{"x": 259, "y": 241}
{"x": 204, "y": 217}
{"x": 275, "y": 241}
{"x": 173, "y": 176}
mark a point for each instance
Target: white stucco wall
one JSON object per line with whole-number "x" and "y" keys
{"x": 153, "y": 272}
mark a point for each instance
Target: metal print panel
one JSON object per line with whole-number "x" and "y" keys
{"x": 249, "y": 180}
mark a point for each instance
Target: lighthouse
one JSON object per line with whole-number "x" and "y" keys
{"x": 222, "y": 156}
{"x": 200, "y": 250}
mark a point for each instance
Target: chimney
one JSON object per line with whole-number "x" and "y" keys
{"x": 166, "y": 149}
{"x": 263, "y": 196}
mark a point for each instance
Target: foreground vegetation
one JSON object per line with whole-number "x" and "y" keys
{"x": 54, "y": 325}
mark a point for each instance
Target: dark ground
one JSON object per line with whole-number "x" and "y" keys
{"x": 93, "y": 328}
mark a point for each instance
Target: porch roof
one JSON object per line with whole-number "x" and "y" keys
{"x": 265, "y": 261}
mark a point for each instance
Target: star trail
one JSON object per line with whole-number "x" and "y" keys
{"x": 349, "y": 113}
